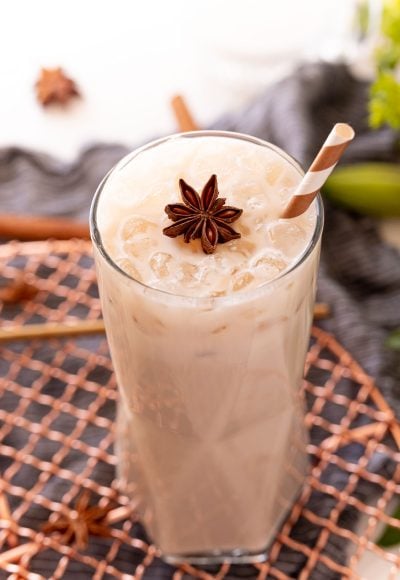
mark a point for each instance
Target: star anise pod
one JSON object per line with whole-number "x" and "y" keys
{"x": 83, "y": 520}
{"x": 205, "y": 217}
{"x": 53, "y": 86}
{"x": 17, "y": 291}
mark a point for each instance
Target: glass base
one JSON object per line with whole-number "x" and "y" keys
{"x": 217, "y": 557}
{"x": 236, "y": 556}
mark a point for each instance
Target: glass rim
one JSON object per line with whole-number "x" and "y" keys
{"x": 97, "y": 240}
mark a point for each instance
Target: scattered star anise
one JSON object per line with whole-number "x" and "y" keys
{"x": 205, "y": 217}
{"x": 83, "y": 520}
{"x": 17, "y": 291}
{"x": 53, "y": 86}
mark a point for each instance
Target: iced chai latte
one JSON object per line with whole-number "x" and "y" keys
{"x": 208, "y": 337}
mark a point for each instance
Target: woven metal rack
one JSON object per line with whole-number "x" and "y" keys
{"x": 57, "y": 403}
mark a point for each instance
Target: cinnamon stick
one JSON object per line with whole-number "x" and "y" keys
{"x": 321, "y": 311}
{"x": 34, "y": 228}
{"x": 182, "y": 114}
{"x": 52, "y": 330}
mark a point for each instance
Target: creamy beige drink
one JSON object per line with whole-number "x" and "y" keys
{"x": 208, "y": 349}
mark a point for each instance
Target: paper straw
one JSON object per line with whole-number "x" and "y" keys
{"x": 320, "y": 169}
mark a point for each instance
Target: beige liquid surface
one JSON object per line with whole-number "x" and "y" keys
{"x": 258, "y": 180}
{"x": 210, "y": 433}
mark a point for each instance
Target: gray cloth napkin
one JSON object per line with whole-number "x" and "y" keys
{"x": 359, "y": 275}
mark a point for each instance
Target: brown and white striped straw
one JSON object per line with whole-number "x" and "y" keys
{"x": 320, "y": 169}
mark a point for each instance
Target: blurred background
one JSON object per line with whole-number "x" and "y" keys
{"x": 129, "y": 56}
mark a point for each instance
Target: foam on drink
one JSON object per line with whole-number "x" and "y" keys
{"x": 256, "y": 179}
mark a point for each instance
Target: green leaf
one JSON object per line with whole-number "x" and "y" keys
{"x": 384, "y": 101}
{"x": 384, "y": 105}
{"x": 362, "y": 18}
{"x": 390, "y": 536}
{"x": 391, "y": 20}
{"x": 387, "y": 57}
{"x": 393, "y": 340}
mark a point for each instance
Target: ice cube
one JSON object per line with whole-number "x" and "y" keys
{"x": 273, "y": 172}
{"x": 241, "y": 246}
{"x": 136, "y": 226}
{"x": 160, "y": 263}
{"x": 187, "y": 274}
{"x": 217, "y": 276}
{"x": 269, "y": 266}
{"x": 255, "y": 202}
{"x": 138, "y": 247}
{"x": 217, "y": 293}
{"x": 242, "y": 281}
{"x": 259, "y": 224}
{"x": 127, "y": 266}
{"x": 287, "y": 237}
{"x": 288, "y": 181}
{"x": 219, "y": 329}
{"x": 242, "y": 229}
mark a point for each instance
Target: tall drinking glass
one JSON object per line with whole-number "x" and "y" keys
{"x": 210, "y": 431}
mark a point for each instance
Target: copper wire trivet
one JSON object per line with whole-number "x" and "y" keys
{"x": 46, "y": 383}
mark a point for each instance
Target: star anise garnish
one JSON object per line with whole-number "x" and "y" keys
{"x": 53, "y": 86}
{"x": 83, "y": 520}
{"x": 205, "y": 217}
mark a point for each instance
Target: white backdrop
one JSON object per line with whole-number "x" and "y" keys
{"x": 129, "y": 56}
